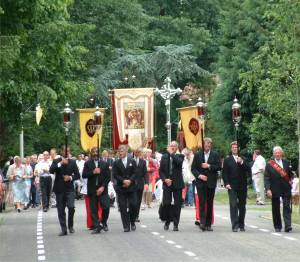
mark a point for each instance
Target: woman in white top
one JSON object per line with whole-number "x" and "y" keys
{"x": 17, "y": 176}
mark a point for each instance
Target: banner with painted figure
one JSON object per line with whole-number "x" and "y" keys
{"x": 133, "y": 116}
{"x": 191, "y": 126}
{"x": 88, "y": 132}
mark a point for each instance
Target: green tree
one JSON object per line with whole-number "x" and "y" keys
{"x": 43, "y": 62}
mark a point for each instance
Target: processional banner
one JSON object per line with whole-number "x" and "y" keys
{"x": 88, "y": 132}
{"x": 133, "y": 116}
{"x": 191, "y": 126}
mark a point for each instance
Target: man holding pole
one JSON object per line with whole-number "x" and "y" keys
{"x": 65, "y": 171}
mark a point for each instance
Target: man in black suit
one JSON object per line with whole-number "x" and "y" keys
{"x": 142, "y": 178}
{"x": 124, "y": 172}
{"x": 65, "y": 171}
{"x": 171, "y": 175}
{"x": 278, "y": 176}
{"x": 205, "y": 167}
{"x": 97, "y": 173}
{"x": 235, "y": 171}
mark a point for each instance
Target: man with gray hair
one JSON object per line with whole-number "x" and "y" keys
{"x": 278, "y": 177}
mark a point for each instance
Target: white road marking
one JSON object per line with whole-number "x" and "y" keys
{"x": 41, "y": 251}
{"x": 189, "y": 253}
{"x": 277, "y": 234}
{"x": 291, "y": 238}
{"x": 264, "y": 230}
{"x": 162, "y": 236}
{"x": 252, "y": 226}
{"x": 170, "y": 242}
{"x": 155, "y": 233}
{"x": 40, "y": 242}
{"x": 143, "y": 226}
{"x": 224, "y": 217}
{"x": 178, "y": 246}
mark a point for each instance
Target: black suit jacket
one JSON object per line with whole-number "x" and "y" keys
{"x": 273, "y": 180}
{"x": 121, "y": 173}
{"x": 59, "y": 170}
{"x": 212, "y": 173}
{"x": 176, "y": 172}
{"x": 96, "y": 181}
{"x": 235, "y": 174}
{"x": 142, "y": 174}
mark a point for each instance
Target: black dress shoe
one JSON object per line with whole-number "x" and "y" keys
{"x": 62, "y": 233}
{"x": 234, "y": 230}
{"x": 45, "y": 209}
{"x": 277, "y": 230}
{"x": 175, "y": 228}
{"x": 126, "y": 229}
{"x": 105, "y": 227}
{"x": 288, "y": 229}
{"x": 202, "y": 227}
{"x": 242, "y": 229}
{"x": 137, "y": 220}
{"x": 209, "y": 228}
{"x": 133, "y": 227}
{"x": 197, "y": 223}
{"x": 96, "y": 231}
{"x": 166, "y": 226}
{"x": 71, "y": 230}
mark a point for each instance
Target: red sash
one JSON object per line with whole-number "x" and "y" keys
{"x": 280, "y": 170}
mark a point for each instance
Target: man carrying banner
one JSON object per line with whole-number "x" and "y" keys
{"x": 97, "y": 173}
{"x": 278, "y": 177}
{"x": 205, "y": 167}
{"x": 171, "y": 175}
{"x": 65, "y": 171}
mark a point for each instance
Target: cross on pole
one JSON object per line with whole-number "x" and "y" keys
{"x": 167, "y": 93}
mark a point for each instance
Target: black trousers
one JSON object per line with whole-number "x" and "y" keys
{"x": 286, "y": 201}
{"x": 206, "y": 198}
{"x": 128, "y": 206}
{"x": 104, "y": 202}
{"x": 63, "y": 200}
{"x": 33, "y": 194}
{"x": 237, "y": 203}
{"x": 172, "y": 213}
{"x": 46, "y": 185}
{"x": 139, "y": 195}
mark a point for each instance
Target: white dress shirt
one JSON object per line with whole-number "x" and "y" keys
{"x": 259, "y": 165}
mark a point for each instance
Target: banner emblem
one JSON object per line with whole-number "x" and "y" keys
{"x": 194, "y": 126}
{"x": 90, "y": 127}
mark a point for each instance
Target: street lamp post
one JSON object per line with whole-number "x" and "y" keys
{"x": 67, "y": 124}
{"x": 201, "y": 114}
{"x": 98, "y": 124}
{"x": 22, "y": 128}
{"x": 236, "y": 116}
{"x": 167, "y": 93}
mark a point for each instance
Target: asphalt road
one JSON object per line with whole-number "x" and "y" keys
{"x": 32, "y": 236}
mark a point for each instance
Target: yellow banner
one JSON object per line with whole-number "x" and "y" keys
{"x": 191, "y": 127}
{"x": 88, "y": 132}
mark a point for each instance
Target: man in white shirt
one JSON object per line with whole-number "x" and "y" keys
{"x": 258, "y": 170}
{"x": 45, "y": 180}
